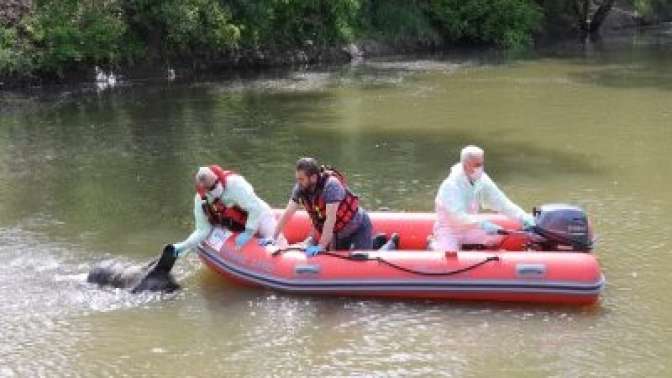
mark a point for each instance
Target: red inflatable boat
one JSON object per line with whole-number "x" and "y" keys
{"x": 523, "y": 267}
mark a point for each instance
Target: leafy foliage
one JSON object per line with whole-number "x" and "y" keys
{"x": 658, "y": 10}
{"x": 65, "y": 35}
{"x": 507, "y": 23}
{"x": 182, "y": 27}
{"x": 291, "y": 23}
{"x": 400, "y": 21}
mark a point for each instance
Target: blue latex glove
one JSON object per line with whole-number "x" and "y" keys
{"x": 313, "y": 250}
{"x": 243, "y": 238}
{"x": 489, "y": 227}
{"x": 264, "y": 242}
{"x": 528, "y": 221}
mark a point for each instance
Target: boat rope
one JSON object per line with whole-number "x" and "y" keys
{"x": 415, "y": 271}
{"x": 365, "y": 257}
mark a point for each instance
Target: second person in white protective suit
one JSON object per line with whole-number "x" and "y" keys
{"x": 466, "y": 191}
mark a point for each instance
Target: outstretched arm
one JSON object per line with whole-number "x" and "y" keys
{"x": 201, "y": 230}
{"x": 496, "y": 200}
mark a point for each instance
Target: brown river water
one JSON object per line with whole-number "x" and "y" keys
{"x": 90, "y": 173}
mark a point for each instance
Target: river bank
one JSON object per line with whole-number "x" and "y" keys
{"x": 251, "y": 64}
{"x": 244, "y": 61}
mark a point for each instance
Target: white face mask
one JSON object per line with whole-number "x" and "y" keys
{"x": 217, "y": 192}
{"x": 476, "y": 174}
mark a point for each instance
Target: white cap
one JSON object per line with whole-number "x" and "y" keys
{"x": 470, "y": 152}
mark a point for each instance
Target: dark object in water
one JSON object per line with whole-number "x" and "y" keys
{"x": 154, "y": 276}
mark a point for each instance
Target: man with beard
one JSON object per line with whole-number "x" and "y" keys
{"x": 339, "y": 223}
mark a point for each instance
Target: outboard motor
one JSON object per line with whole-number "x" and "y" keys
{"x": 563, "y": 228}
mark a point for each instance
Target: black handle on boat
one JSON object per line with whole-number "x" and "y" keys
{"x": 283, "y": 250}
{"x": 502, "y": 231}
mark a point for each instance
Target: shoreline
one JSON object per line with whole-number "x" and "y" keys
{"x": 253, "y": 62}
{"x": 243, "y": 61}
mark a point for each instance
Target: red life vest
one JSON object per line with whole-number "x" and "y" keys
{"x": 233, "y": 217}
{"x": 316, "y": 206}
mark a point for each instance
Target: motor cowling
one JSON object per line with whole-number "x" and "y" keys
{"x": 563, "y": 227}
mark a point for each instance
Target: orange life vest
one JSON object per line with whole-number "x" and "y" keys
{"x": 232, "y": 217}
{"x": 316, "y": 206}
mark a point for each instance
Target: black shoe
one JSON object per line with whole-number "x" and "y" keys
{"x": 392, "y": 244}
{"x": 379, "y": 241}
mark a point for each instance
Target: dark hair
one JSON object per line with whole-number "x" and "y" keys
{"x": 308, "y": 165}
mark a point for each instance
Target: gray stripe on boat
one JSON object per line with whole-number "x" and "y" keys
{"x": 294, "y": 285}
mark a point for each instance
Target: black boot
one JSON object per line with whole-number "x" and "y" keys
{"x": 392, "y": 244}
{"x": 379, "y": 241}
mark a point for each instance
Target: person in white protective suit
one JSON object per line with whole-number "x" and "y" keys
{"x": 460, "y": 197}
{"x": 227, "y": 199}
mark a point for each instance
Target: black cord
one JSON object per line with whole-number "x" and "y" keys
{"x": 413, "y": 271}
{"x": 283, "y": 250}
{"x": 395, "y": 266}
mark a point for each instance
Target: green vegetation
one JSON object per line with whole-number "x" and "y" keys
{"x": 279, "y": 24}
{"x": 65, "y": 33}
{"x": 508, "y": 23}
{"x": 13, "y": 59}
{"x": 177, "y": 28}
{"x": 62, "y": 36}
{"x": 654, "y": 10}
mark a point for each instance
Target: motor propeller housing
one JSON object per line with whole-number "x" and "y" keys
{"x": 563, "y": 227}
